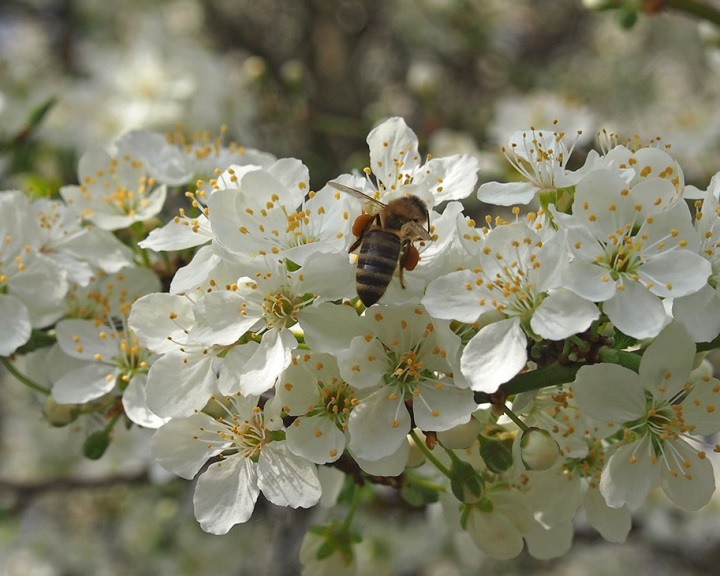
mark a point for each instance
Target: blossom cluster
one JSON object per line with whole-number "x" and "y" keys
{"x": 546, "y": 362}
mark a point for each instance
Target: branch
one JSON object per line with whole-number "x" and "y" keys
{"x": 22, "y": 493}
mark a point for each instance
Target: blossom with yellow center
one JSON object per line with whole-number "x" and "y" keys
{"x": 652, "y": 419}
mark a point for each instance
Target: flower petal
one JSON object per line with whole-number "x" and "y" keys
{"x": 597, "y": 388}
{"x": 563, "y": 314}
{"x": 378, "y": 425}
{"x": 494, "y": 355}
{"x": 225, "y": 494}
{"x": 636, "y": 311}
{"x": 286, "y": 479}
{"x": 691, "y": 483}
{"x": 629, "y": 475}
{"x": 613, "y": 524}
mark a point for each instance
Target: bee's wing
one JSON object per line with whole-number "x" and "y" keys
{"x": 356, "y": 193}
{"x": 417, "y": 231}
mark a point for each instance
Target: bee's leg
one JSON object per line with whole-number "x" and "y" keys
{"x": 402, "y": 260}
{"x": 360, "y": 227}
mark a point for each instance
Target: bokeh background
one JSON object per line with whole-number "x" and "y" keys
{"x": 309, "y": 79}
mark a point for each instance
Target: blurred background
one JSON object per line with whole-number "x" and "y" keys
{"x": 309, "y": 79}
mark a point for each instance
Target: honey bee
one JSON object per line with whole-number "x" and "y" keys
{"x": 386, "y": 241}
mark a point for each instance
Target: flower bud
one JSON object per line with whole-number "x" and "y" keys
{"x": 59, "y": 414}
{"x": 466, "y": 483}
{"x": 538, "y": 450}
{"x": 461, "y": 436}
{"x": 496, "y": 455}
{"x": 416, "y": 457}
{"x": 96, "y": 444}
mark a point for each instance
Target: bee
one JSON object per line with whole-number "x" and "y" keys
{"x": 386, "y": 241}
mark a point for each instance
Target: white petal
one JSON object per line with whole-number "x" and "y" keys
{"x": 294, "y": 175}
{"x": 494, "y": 534}
{"x": 160, "y": 321}
{"x": 225, "y": 494}
{"x": 635, "y": 311}
{"x": 378, "y": 425}
{"x": 15, "y": 320}
{"x": 692, "y": 310}
{"x": 494, "y": 355}
{"x": 267, "y": 362}
{"x": 613, "y": 524}
{"x": 547, "y": 543}
{"x": 85, "y": 384}
{"x": 233, "y": 365}
{"x": 135, "y": 404}
{"x": 196, "y": 272}
{"x": 41, "y": 286}
{"x": 178, "y": 235}
{"x": 597, "y": 388}
{"x": 222, "y": 318}
{"x": 328, "y": 276}
{"x": 286, "y": 479}
{"x": 588, "y": 281}
{"x": 330, "y": 327}
{"x": 393, "y": 148}
{"x": 81, "y": 339}
{"x": 297, "y": 389}
{"x": 450, "y": 178}
{"x": 316, "y": 438}
{"x": 364, "y": 363}
{"x": 563, "y": 314}
{"x": 666, "y": 364}
{"x": 700, "y": 407}
{"x": 629, "y": 475}
{"x": 507, "y": 193}
{"x": 693, "y": 483}
{"x": 440, "y": 406}
{"x": 455, "y": 296}
{"x": 166, "y": 162}
{"x": 178, "y": 384}
{"x": 392, "y": 465}
{"x": 100, "y": 248}
{"x": 675, "y": 273}
{"x": 179, "y": 445}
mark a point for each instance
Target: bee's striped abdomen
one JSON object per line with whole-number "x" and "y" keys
{"x": 377, "y": 261}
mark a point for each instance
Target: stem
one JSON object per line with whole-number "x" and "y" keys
{"x": 551, "y": 375}
{"x": 629, "y": 360}
{"x": 510, "y": 414}
{"x": 428, "y": 454}
{"x": 556, "y": 374}
{"x": 22, "y": 378}
{"x": 418, "y": 480}
{"x": 354, "y": 505}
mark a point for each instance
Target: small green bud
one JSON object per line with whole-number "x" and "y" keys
{"x": 96, "y": 444}
{"x": 466, "y": 483}
{"x": 496, "y": 455}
